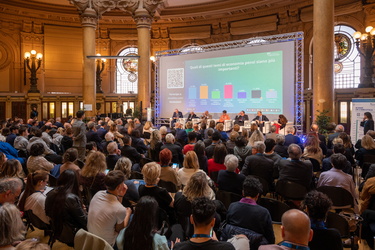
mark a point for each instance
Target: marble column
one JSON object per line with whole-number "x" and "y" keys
{"x": 143, "y": 20}
{"x": 323, "y": 58}
{"x": 89, "y": 20}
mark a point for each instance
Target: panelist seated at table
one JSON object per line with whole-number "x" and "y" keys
{"x": 191, "y": 116}
{"x": 241, "y": 118}
{"x": 260, "y": 119}
{"x": 206, "y": 115}
{"x": 224, "y": 117}
{"x": 176, "y": 115}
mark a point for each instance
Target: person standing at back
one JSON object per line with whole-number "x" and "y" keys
{"x": 79, "y": 135}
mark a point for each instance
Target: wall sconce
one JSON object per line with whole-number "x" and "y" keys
{"x": 365, "y": 44}
{"x": 36, "y": 61}
{"x": 100, "y": 65}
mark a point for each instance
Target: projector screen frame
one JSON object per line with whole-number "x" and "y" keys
{"x": 296, "y": 37}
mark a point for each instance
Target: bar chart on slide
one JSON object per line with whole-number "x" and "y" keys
{"x": 215, "y": 94}
{"x": 228, "y": 91}
{"x": 192, "y": 92}
{"x": 203, "y": 92}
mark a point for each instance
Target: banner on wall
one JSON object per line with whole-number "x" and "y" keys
{"x": 360, "y": 106}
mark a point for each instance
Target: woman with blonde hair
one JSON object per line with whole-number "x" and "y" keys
{"x": 155, "y": 145}
{"x": 368, "y": 148}
{"x": 312, "y": 149}
{"x": 220, "y": 128}
{"x": 147, "y": 130}
{"x": 117, "y": 135}
{"x": 12, "y": 228}
{"x": 255, "y": 136}
{"x": 125, "y": 165}
{"x": 189, "y": 127}
{"x": 196, "y": 187}
{"x": 131, "y": 127}
{"x": 151, "y": 175}
{"x": 11, "y": 168}
{"x": 190, "y": 167}
{"x": 253, "y": 127}
{"x": 93, "y": 173}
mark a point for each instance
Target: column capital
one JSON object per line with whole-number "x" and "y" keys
{"x": 89, "y": 18}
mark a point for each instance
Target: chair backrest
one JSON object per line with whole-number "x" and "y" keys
{"x": 266, "y": 188}
{"x": 214, "y": 176}
{"x": 336, "y": 221}
{"x": 35, "y": 221}
{"x": 170, "y": 186}
{"x": 52, "y": 181}
{"x": 84, "y": 240}
{"x": 227, "y": 197}
{"x": 136, "y": 175}
{"x": 290, "y": 190}
{"x": 368, "y": 159}
{"x": 275, "y": 208}
{"x": 316, "y": 165}
{"x": 341, "y": 198}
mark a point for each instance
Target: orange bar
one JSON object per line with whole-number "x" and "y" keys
{"x": 203, "y": 92}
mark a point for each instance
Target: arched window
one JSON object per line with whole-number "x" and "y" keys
{"x": 127, "y": 72}
{"x": 347, "y": 60}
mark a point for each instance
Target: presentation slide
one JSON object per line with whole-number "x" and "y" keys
{"x": 255, "y": 78}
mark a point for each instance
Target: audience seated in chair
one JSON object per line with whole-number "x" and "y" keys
{"x": 317, "y": 206}
{"x": 295, "y": 231}
{"x": 337, "y": 178}
{"x": 203, "y": 212}
{"x": 228, "y": 180}
{"x": 107, "y": 216}
{"x": 260, "y": 220}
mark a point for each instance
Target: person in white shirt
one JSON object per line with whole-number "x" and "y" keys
{"x": 107, "y": 216}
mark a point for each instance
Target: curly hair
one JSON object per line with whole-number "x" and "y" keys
{"x": 197, "y": 186}
{"x": 317, "y": 205}
{"x": 95, "y": 163}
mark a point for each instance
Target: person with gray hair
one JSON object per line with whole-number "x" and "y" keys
{"x": 280, "y": 148}
{"x": 272, "y": 134}
{"x": 12, "y": 228}
{"x": 259, "y": 165}
{"x": 177, "y": 156}
{"x": 338, "y": 130}
{"x": 291, "y": 138}
{"x": 294, "y": 169}
{"x": 228, "y": 180}
{"x": 10, "y": 190}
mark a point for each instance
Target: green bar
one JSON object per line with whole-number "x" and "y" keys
{"x": 215, "y": 94}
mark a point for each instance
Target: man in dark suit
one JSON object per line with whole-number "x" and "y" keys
{"x": 241, "y": 118}
{"x": 131, "y": 153}
{"x": 92, "y": 135}
{"x": 294, "y": 169}
{"x": 102, "y": 131}
{"x": 191, "y": 116}
{"x": 176, "y": 115}
{"x": 290, "y": 138}
{"x": 338, "y": 130}
{"x": 259, "y": 165}
{"x": 260, "y": 119}
{"x": 79, "y": 135}
{"x": 181, "y": 135}
{"x": 177, "y": 156}
{"x": 113, "y": 155}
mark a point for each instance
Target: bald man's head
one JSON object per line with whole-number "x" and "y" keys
{"x": 296, "y": 227}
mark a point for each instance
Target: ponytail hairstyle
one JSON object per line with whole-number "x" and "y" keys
{"x": 70, "y": 155}
{"x": 32, "y": 181}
